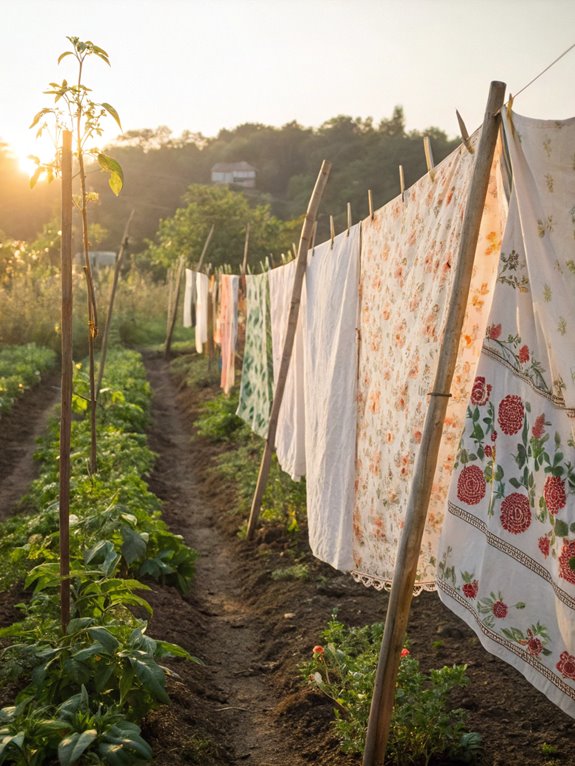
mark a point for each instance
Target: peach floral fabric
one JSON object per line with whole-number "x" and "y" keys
{"x": 507, "y": 551}
{"x": 228, "y": 328}
{"x": 407, "y": 264}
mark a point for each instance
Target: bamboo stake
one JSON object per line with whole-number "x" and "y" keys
{"x": 66, "y": 379}
{"x": 246, "y": 248}
{"x": 118, "y": 264}
{"x": 424, "y": 470}
{"x": 176, "y": 298}
{"x": 205, "y": 248}
{"x": 300, "y": 268}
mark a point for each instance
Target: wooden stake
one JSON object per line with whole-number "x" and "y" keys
{"x": 246, "y": 248}
{"x": 175, "y": 301}
{"x": 424, "y": 470}
{"x": 300, "y": 268}
{"x": 66, "y": 379}
{"x": 118, "y": 265}
{"x": 205, "y": 248}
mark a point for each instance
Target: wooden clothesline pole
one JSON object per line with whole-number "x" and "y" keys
{"x": 205, "y": 248}
{"x": 174, "y": 306}
{"x": 304, "y": 243}
{"x": 424, "y": 470}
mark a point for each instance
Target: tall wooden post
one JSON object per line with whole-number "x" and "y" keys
{"x": 117, "y": 267}
{"x": 304, "y": 243}
{"x": 424, "y": 470}
{"x": 205, "y": 248}
{"x": 66, "y": 380}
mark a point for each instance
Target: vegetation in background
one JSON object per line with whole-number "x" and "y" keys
{"x": 21, "y": 367}
{"x": 84, "y": 691}
{"x": 159, "y": 168}
{"x": 423, "y": 726}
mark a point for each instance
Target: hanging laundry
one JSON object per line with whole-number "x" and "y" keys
{"x": 256, "y": 384}
{"x": 202, "y": 283}
{"x": 290, "y": 433}
{"x": 408, "y": 257}
{"x": 330, "y": 343}
{"x": 507, "y": 552}
{"x": 228, "y": 328}
{"x": 188, "y": 297}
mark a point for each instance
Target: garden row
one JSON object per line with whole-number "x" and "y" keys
{"x": 425, "y": 724}
{"x": 21, "y": 367}
{"x": 81, "y": 695}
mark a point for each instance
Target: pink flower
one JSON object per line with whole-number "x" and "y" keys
{"x": 510, "y": 414}
{"x": 554, "y": 494}
{"x": 494, "y": 331}
{"x": 567, "y": 561}
{"x": 471, "y": 485}
{"x": 523, "y": 354}
{"x": 470, "y": 589}
{"x": 480, "y": 391}
{"x": 500, "y": 609}
{"x": 493, "y": 436}
{"x": 515, "y": 513}
{"x": 319, "y": 650}
{"x": 405, "y": 652}
{"x": 543, "y": 544}
{"x": 566, "y": 665}
{"x": 488, "y": 450}
{"x": 538, "y": 427}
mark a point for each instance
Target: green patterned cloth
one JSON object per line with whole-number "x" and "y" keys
{"x": 257, "y": 377}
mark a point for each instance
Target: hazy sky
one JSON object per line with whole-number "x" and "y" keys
{"x": 203, "y": 65}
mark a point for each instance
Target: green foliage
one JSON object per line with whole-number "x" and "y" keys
{"x": 293, "y": 572}
{"x": 423, "y": 724}
{"x": 81, "y": 691}
{"x": 229, "y": 212}
{"x": 218, "y": 420}
{"x": 21, "y": 367}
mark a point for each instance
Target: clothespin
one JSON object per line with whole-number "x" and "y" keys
{"x": 509, "y": 108}
{"x": 331, "y": 229}
{"x": 267, "y": 263}
{"x": 370, "y": 203}
{"x": 402, "y": 183}
{"x": 348, "y": 217}
{"x": 294, "y": 249}
{"x": 313, "y": 233}
{"x": 272, "y": 260}
{"x": 429, "y": 157}
{"x": 464, "y": 133}
{"x": 284, "y": 258}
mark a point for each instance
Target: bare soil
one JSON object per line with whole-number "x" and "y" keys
{"x": 246, "y": 704}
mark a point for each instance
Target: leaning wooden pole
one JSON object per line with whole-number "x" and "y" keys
{"x": 304, "y": 243}
{"x": 117, "y": 267}
{"x": 424, "y": 470}
{"x": 66, "y": 379}
{"x": 176, "y": 298}
{"x": 205, "y": 248}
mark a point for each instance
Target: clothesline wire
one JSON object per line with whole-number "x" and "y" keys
{"x": 545, "y": 70}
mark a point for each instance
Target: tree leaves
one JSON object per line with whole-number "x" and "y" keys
{"x": 114, "y": 169}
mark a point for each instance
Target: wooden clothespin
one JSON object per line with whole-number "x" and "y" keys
{"x": 331, "y": 229}
{"x": 429, "y": 157}
{"x": 402, "y": 183}
{"x": 284, "y": 258}
{"x": 464, "y": 133}
{"x": 509, "y": 110}
{"x": 349, "y": 224}
{"x": 370, "y": 203}
{"x": 313, "y": 233}
{"x": 294, "y": 249}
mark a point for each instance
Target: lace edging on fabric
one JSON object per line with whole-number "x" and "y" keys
{"x": 379, "y": 585}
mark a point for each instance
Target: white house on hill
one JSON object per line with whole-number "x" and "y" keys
{"x": 237, "y": 173}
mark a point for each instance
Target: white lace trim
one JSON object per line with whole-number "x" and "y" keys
{"x": 374, "y": 582}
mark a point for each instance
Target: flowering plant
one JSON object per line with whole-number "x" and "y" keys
{"x": 423, "y": 724}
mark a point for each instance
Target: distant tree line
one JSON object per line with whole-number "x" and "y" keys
{"x": 159, "y": 170}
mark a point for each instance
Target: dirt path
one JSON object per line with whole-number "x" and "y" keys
{"x": 230, "y": 636}
{"x": 19, "y": 430}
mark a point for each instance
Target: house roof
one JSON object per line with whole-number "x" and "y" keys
{"x": 229, "y": 167}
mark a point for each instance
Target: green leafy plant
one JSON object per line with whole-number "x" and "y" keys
{"x": 21, "y": 367}
{"x": 423, "y": 723}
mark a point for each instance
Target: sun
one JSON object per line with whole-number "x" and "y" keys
{"x": 25, "y": 152}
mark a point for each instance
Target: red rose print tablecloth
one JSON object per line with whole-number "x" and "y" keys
{"x": 506, "y": 561}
